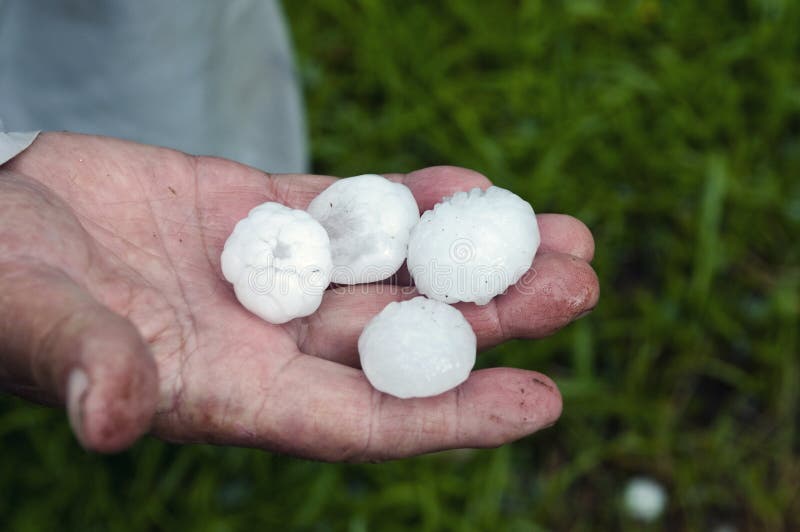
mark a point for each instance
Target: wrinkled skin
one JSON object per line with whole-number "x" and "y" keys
{"x": 112, "y": 303}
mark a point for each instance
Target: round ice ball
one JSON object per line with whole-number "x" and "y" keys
{"x": 368, "y": 219}
{"x": 644, "y": 499}
{"x": 417, "y": 348}
{"x": 279, "y": 262}
{"x": 473, "y": 245}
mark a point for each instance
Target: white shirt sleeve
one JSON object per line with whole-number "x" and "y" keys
{"x": 12, "y": 144}
{"x": 208, "y": 78}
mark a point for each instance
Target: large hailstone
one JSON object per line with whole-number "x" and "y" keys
{"x": 473, "y": 245}
{"x": 279, "y": 262}
{"x": 417, "y": 348}
{"x": 368, "y": 219}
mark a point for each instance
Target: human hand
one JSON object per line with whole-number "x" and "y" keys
{"x": 112, "y": 303}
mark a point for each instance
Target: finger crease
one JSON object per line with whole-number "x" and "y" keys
{"x": 375, "y": 407}
{"x": 456, "y": 438}
{"x": 496, "y": 317}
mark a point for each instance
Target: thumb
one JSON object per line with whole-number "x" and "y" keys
{"x": 59, "y": 344}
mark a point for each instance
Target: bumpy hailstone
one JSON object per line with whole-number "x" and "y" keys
{"x": 417, "y": 348}
{"x": 279, "y": 262}
{"x": 473, "y": 245}
{"x": 368, "y": 219}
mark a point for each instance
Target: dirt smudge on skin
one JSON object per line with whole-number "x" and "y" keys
{"x": 540, "y": 382}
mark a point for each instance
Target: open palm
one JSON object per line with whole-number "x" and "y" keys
{"x": 113, "y": 303}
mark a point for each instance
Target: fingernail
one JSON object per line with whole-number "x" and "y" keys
{"x": 77, "y": 386}
{"x": 584, "y": 313}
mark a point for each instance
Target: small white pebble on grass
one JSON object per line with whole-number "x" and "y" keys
{"x": 473, "y": 245}
{"x": 417, "y": 348}
{"x": 279, "y": 262}
{"x": 368, "y": 219}
{"x": 644, "y": 499}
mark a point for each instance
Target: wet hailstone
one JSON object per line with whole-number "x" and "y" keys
{"x": 473, "y": 245}
{"x": 279, "y": 262}
{"x": 417, "y": 348}
{"x": 368, "y": 219}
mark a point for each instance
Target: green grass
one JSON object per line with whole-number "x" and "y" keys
{"x": 673, "y": 130}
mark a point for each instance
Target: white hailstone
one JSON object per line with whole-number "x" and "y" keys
{"x": 279, "y": 262}
{"x": 417, "y": 348}
{"x": 368, "y": 219}
{"x": 644, "y": 499}
{"x": 473, "y": 245}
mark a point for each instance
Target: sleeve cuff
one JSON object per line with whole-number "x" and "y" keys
{"x": 12, "y": 144}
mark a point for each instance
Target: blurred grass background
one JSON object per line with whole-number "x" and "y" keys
{"x": 672, "y": 128}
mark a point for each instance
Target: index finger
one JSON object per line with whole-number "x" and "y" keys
{"x": 560, "y": 233}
